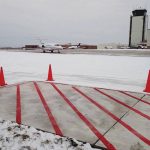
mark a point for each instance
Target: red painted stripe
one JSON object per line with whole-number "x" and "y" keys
{"x": 134, "y": 97}
{"x": 18, "y": 105}
{"x": 124, "y": 104}
{"x": 49, "y": 113}
{"x": 144, "y": 139}
{"x": 85, "y": 120}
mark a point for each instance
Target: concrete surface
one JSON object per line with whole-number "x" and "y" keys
{"x": 106, "y": 118}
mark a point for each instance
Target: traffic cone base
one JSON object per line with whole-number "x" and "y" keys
{"x": 50, "y": 74}
{"x": 147, "y": 89}
{"x": 2, "y": 79}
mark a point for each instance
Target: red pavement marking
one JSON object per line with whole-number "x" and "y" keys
{"x": 49, "y": 113}
{"x": 85, "y": 120}
{"x": 124, "y": 104}
{"x": 144, "y": 139}
{"x": 134, "y": 97}
{"x": 18, "y": 105}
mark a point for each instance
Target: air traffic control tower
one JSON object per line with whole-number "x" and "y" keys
{"x": 138, "y": 28}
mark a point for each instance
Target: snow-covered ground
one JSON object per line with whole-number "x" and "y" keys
{"x": 115, "y": 72}
{"x": 20, "y": 137}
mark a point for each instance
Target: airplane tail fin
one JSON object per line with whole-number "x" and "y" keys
{"x": 79, "y": 45}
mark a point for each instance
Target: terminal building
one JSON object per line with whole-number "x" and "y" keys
{"x": 139, "y": 35}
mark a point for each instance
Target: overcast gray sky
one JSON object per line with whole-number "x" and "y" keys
{"x": 63, "y": 21}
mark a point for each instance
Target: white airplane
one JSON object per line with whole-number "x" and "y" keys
{"x": 51, "y": 47}
{"x": 74, "y": 46}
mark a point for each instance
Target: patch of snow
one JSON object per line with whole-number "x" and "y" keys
{"x": 113, "y": 72}
{"x": 21, "y": 137}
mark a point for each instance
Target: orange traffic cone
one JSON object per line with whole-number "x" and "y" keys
{"x": 50, "y": 75}
{"x": 147, "y": 89}
{"x": 2, "y": 79}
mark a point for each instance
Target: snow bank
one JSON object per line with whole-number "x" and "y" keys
{"x": 15, "y": 137}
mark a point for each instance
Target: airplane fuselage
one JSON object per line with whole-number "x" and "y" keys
{"x": 51, "y": 48}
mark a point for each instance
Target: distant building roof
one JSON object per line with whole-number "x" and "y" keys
{"x": 139, "y": 12}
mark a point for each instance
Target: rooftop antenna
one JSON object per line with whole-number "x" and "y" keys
{"x": 141, "y": 4}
